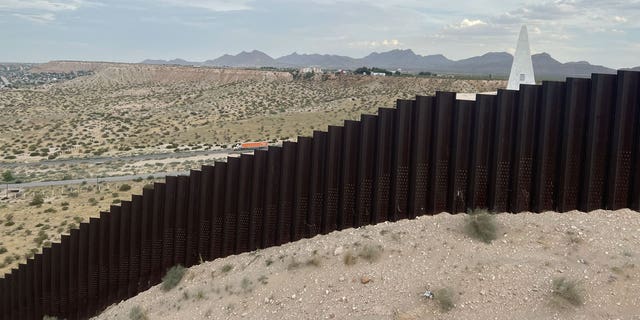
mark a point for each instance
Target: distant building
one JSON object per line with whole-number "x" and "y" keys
{"x": 378, "y": 74}
{"x": 310, "y": 70}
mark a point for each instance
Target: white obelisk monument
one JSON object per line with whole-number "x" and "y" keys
{"x": 522, "y": 68}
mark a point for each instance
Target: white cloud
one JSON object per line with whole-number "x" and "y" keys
{"x": 386, "y": 43}
{"x": 41, "y": 5}
{"x": 39, "y": 18}
{"x": 211, "y": 5}
{"x": 619, "y": 19}
{"x": 466, "y": 23}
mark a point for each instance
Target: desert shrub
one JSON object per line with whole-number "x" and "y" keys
{"x": 173, "y": 277}
{"x": 226, "y": 268}
{"x": 137, "y": 313}
{"x": 125, "y": 187}
{"x": 567, "y": 290}
{"x": 349, "y": 258}
{"x": 3, "y": 250}
{"x": 370, "y": 253}
{"x": 37, "y": 200}
{"x": 444, "y": 297}
{"x": 481, "y": 225}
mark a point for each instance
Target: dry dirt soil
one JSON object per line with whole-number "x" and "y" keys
{"x": 382, "y": 271}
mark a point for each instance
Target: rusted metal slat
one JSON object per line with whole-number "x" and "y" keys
{"x": 272, "y": 189}
{"x": 181, "y": 212}
{"x": 103, "y": 261}
{"x": 169, "y": 223}
{"x": 287, "y": 185}
{"x": 123, "y": 249}
{"x": 441, "y": 153}
{"x": 333, "y": 156}
{"x": 217, "y": 216}
{"x": 231, "y": 207}
{"x": 572, "y": 152}
{"x": 46, "y": 281}
{"x": 482, "y": 151}
{"x": 205, "y": 210}
{"x": 146, "y": 238}
{"x": 192, "y": 256}
{"x": 114, "y": 253}
{"x": 366, "y": 170}
{"x": 598, "y": 141}
{"x": 74, "y": 243}
{"x": 401, "y": 160}
{"x": 157, "y": 237}
{"x": 460, "y": 156}
{"x": 94, "y": 266}
{"x": 83, "y": 270}
{"x": 64, "y": 276}
{"x": 349, "y": 175}
{"x": 383, "y": 158}
{"x": 301, "y": 190}
{"x": 504, "y": 137}
{"x": 37, "y": 287}
{"x": 316, "y": 189}
{"x": 54, "y": 307}
{"x": 420, "y": 155}
{"x": 244, "y": 203}
{"x": 547, "y": 152}
{"x": 625, "y": 117}
{"x": 256, "y": 222}
{"x": 135, "y": 246}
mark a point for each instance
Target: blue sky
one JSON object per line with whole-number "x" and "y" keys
{"x": 601, "y": 32}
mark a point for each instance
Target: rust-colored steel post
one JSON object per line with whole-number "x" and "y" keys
{"x": 64, "y": 276}
{"x": 501, "y": 163}
{"x": 547, "y": 152}
{"x": 146, "y": 239}
{"x": 74, "y": 243}
{"x": 46, "y": 281}
{"x": 573, "y": 143}
{"x": 22, "y": 292}
{"x": 349, "y": 175}
{"x": 205, "y": 208}
{"x": 420, "y": 155}
{"x": 192, "y": 255}
{"x": 157, "y": 237}
{"x": 15, "y": 290}
{"x": 169, "y": 223}
{"x": 329, "y": 221}
{"x": 460, "y": 156}
{"x": 525, "y": 141}
{"x": 627, "y": 107}
{"x": 287, "y": 180}
{"x": 244, "y": 203}
{"x": 598, "y": 141}
{"x": 217, "y": 216}
{"x": 37, "y": 287}
{"x": 4, "y": 295}
{"x": 114, "y": 253}
{"x": 401, "y": 160}
{"x": 482, "y": 151}
{"x": 135, "y": 245}
{"x": 634, "y": 197}
{"x": 366, "y": 170}
{"x": 441, "y": 153}
{"x": 54, "y": 307}
{"x": 272, "y": 190}
{"x": 256, "y": 221}
{"x": 231, "y": 207}
{"x": 181, "y": 212}
{"x": 30, "y": 300}
{"x": 103, "y": 261}
{"x": 95, "y": 260}
{"x": 383, "y": 158}
{"x": 124, "y": 249}
{"x": 316, "y": 188}
{"x": 87, "y": 264}
{"x": 302, "y": 184}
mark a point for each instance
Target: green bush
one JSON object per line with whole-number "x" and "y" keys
{"x": 37, "y": 200}
{"x": 137, "y": 313}
{"x": 173, "y": 277}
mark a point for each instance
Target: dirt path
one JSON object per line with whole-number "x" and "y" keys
{"x": 394, "y": 263}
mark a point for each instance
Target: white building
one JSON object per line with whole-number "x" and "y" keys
{"x": 310, "y": 70}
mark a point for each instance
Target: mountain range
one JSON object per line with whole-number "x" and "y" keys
{"x": 494, "y": 63}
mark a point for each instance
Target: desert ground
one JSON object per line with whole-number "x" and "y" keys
{"x": 383, "y": 272}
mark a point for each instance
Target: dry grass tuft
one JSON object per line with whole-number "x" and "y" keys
{"x": 565, "y": 290}
{"x": 173, "y": 277}
{"x": 481, "y": 225}
{"x": 445, "y": 297}
{"x": 137, "y": 313}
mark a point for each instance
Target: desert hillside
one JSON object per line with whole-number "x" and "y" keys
{"x": 382, "y": 272}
